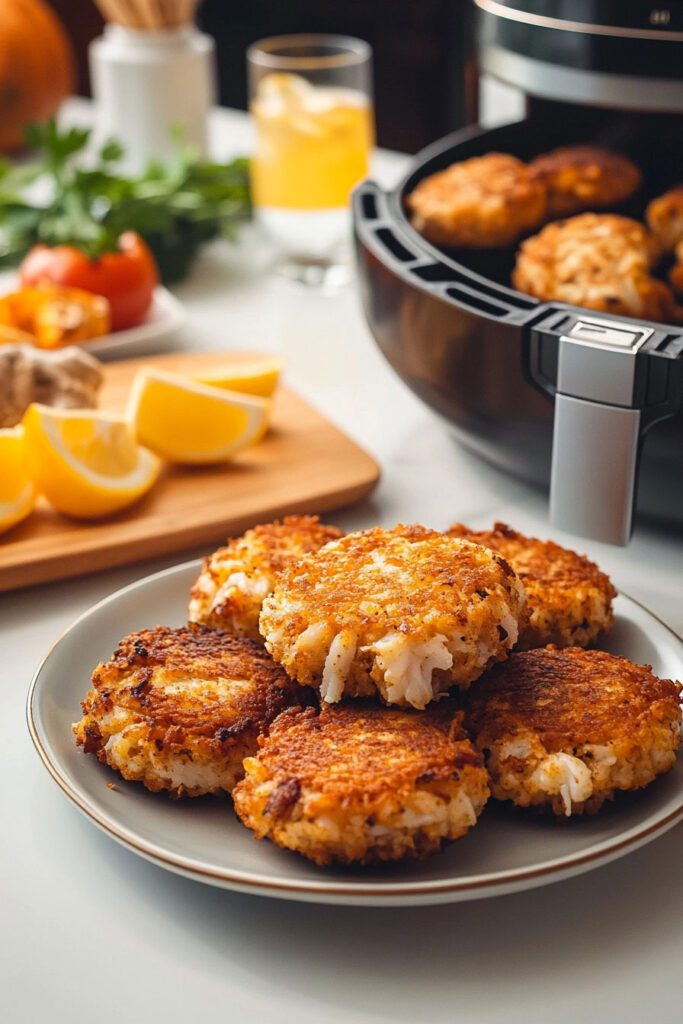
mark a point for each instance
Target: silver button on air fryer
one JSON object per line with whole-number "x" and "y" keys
{"x": 604, "y": 332}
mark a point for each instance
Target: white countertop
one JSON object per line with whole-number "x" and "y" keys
{"x": 88, "y": 931}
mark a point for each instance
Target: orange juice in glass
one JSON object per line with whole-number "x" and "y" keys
{"x": 310, "y": 101}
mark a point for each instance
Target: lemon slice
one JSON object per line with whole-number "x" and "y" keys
{"x": 86, "y": 463}
{"x": 17, "y": 491}
{"x": 185, "y": 421}
{"x": 260, "y": 377}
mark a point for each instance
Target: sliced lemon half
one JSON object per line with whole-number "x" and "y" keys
{"x": 87, "y": 464}
{"x": 260, "y": 377}
{"x": 17, "y": 490}
{"x": 188, "y": 422}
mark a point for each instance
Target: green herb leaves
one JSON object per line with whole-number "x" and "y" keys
{"x": 175, "y": 206}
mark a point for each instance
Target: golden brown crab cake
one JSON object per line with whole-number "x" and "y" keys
{"x": 180, "y": 709}
{"x": 407, "y": 612}
{"x": 583, "y": 178}
{"x": 600, "y": 261}
{"x": 676, "y": 277}
{"x": 564, "y": 729}
{"x": 359, "y": 783}
{"x": 234, "y": 580}
{"x": 569, "y": 600}
{"x": 664, "y": 216}
{"x": 485, "y": 201}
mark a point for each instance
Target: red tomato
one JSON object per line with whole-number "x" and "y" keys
{"x": 126, "y": 277}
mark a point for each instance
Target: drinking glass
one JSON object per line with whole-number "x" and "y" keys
{"x": 310, "y": 98}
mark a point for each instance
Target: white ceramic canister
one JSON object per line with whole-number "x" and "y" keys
{"x": 147, "y": 83}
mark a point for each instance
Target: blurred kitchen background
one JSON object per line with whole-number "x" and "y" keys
{"x": 425, "y": 77}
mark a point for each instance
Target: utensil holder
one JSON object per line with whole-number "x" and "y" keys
{"x": 149, "y": 83}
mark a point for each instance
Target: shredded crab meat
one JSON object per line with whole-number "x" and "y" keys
{"x": 408, "y": 667}
{"x": 511, "y": 627}
{"x": 252, "y": 586}
{"x": 311, "y": 637}
{"x": 519, "y": 747}
{"x": 337, "y": 665}
{"x": 567, "y": 775}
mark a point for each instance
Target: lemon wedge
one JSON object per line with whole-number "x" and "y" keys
{"x": 86, "y": 463}
{"x": 188, "y": 422}
{"x": 17, "y": 491}
{"x": 260, "y": 377}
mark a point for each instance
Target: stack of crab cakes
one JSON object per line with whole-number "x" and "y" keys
{"x": 362, "y": 696}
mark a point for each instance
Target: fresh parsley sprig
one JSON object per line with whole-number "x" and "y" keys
{"x": 176, "y": 206}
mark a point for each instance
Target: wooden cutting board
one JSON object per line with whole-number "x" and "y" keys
{"x": 304, "y": 464}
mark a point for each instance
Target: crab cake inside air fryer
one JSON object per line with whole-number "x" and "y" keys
{"x": 664, "y": 216}
{"x": 600, "y": 261}
{"x": 234, "y": 580}
{"x": 179, "y": 709}
{"x": 564, "y": 729}
{"x": 569, "y": 600}
{"x": 362, "y": 783}
{"x": 408, "y": 612}
{"x": 486, "y": 201}
{"x": 584, "y": 177}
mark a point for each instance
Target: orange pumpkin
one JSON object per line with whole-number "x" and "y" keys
{"x": 36, "y": 67}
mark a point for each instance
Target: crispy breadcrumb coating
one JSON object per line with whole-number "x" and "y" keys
{"x": 485, "y": 201}
{"x": 664, "y": 216}
{"x": 179, "y": 709}
{"x": 229, "y": 591}
{"x": 407, "y": 612}
{"x": 584, "y": 178}
{"x": 569, "y": 600}
{"x": 600, "y": 261}
{"x": 565, "y": 729}
{"x": 359, "y": 783}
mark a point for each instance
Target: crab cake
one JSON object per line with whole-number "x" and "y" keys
{"x": 569, "y": 601}
{"x": 564, "y": 729}
{"x": 486, "y": 201}
{"x": 179, "y": 709}
{"x": 584, "y": 177}
{"x": 664, "y": 216}
{"x": 407, "y": 612}
{"x": 359, "y": 783}
{"x": 600, "y": 261}
{"x": 234, "y": 580}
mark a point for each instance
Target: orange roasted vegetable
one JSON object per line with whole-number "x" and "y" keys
{"x": 13, "y": 336}
{"x": 56, "y": 316}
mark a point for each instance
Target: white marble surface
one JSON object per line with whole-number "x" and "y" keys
{"x": 90, "y": 932}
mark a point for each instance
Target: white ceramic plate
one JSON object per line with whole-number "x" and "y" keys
{"x": 165, "y": 317}
{"x": 506, "y": 852}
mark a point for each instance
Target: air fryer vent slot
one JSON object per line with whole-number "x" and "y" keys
{"x": 369, "y": 205}
{"x": 476, "y": 302}
{"x": 436, "y": 273}
{"x": 391, "y": 242}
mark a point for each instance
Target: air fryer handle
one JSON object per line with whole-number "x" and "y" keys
{"x": 610, "y": 381}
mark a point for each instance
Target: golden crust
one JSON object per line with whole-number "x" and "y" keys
{"x": 584, "y": 177}
{"x": 569, "y": 697}
{"x": 664, "y": 216}
{"x": 564, "y": 729}
{"x": 234, "y": 580}
{"x": 182, "y": 704}
{"x": 384, "y": 592}
{"x": 599, "y": 261}
{"x": 485, "y": 201}
{"x": 569, "y": 600}
{"x": 340, "y": 785}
